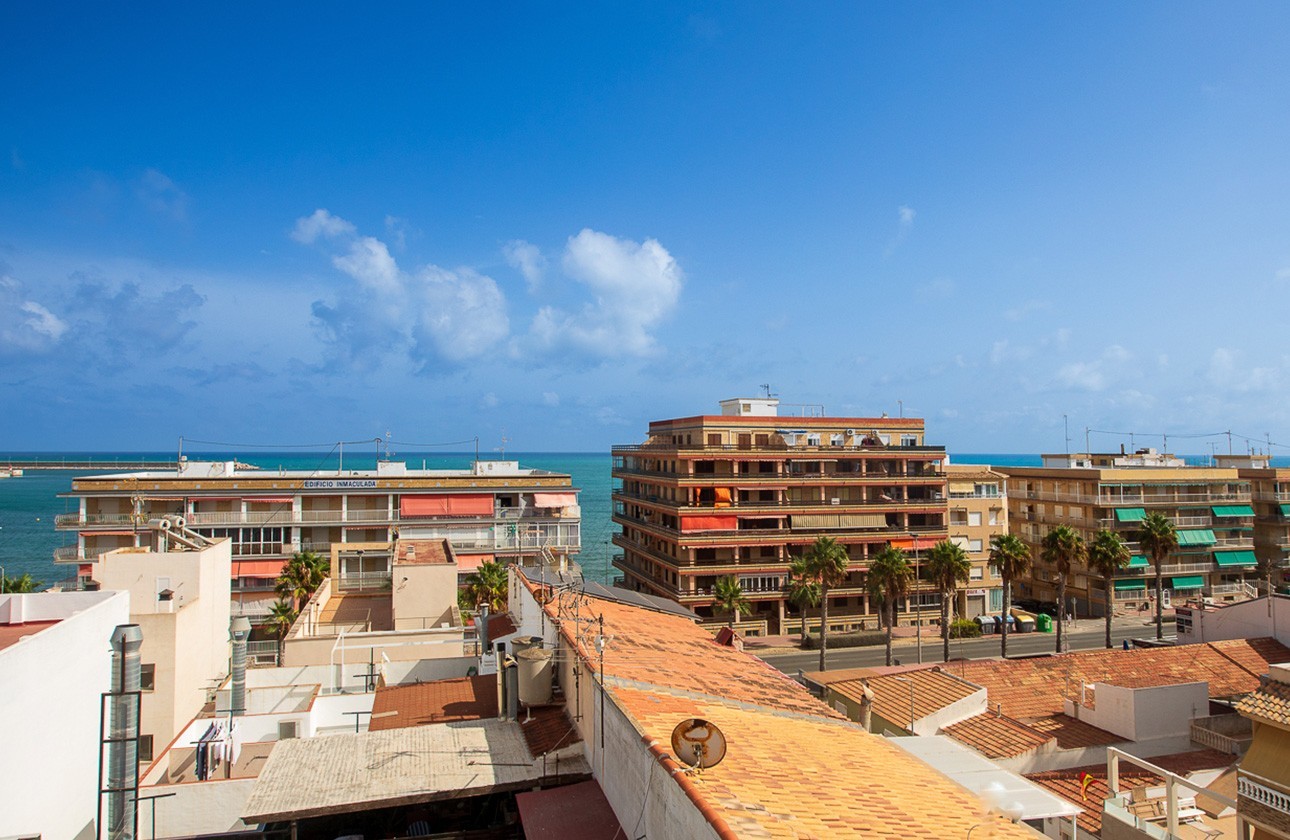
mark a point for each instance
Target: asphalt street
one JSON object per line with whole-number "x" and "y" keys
{"x": 1090, "y": 634}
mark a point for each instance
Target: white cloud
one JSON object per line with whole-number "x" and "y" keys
{"x": 1283, "y": 273}
{"x": 635, "y": 286}
{"x": 321, "y": 223}
{"x": 1227, "y": 372}
{"x": 25, "y": 325}
{"x": 527, "y": 259}
{"x": 904, "y": 224}
{"x": 941, "y": 288}
{"x": 1004, "y": 351}
{"x": 462, "y": 314}
{"x": 162, "y": 195}
{"x": 1085, "y": 375}
{"x": 907, "y": 215}
{"x": 489, "y": 400}
{"x": 550, "y": 398}
{"x": 369, "y": 262}
{"x": 1024, "y": 310}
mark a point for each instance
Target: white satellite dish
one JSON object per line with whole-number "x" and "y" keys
{"x": 698, "y": 743}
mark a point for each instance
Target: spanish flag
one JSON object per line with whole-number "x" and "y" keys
{"x": 1085, "y": 779}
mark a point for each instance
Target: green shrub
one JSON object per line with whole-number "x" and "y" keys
{"x": 848, "y": 640}
{"x": 964, "y": 628}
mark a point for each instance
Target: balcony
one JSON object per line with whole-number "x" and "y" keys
{"x": 283, "y": 516}
{"x": 768, "y": 447}
{"x": 1262, "y": 792}
{"x": 830, "y": 504}
{"x": 1231, "y": 734}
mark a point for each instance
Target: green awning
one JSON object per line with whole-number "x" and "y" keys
{"x": 1202, "y": 537}
{"x": 1130, "y": 514}
{"x": 1132, "y": 583}
{"x": 1138, "y": 561}
{"x": 1233, "y": 510}
{"x": 1285, "y": 510}
{"x": 1227, "y": 559}
{"x": 1188, "y": 582}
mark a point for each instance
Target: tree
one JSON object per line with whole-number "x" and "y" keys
{"x": 21, "y": 583}
{"x": 728, "y": 597}
{"x": 1011, "y": 557}
{"x": 488, "y": 585}
{"x": 803, "y": 590}
{"x": 1158, "y": 538}
{"x": 825, "y": 563}
{"x": 282, "y": 615}
{"x": 293, "y": 584}
{"x": 314, "y": 567}
{"x": 947, "y": 566}
{"x": 888, "y": 580}
{"x": 1107, "y": 554}
{"x": 1063, "y": 548}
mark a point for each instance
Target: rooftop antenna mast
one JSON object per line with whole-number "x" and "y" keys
{"x": 502, "y": 448}
{"x": 1066, "y": 431}
{"x": 769, "y": 393}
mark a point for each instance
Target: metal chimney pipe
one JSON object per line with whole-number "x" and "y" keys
{"x": 123, "y": 735}
{"x": 239, "y": 630}
{"x": 512, "y": 672}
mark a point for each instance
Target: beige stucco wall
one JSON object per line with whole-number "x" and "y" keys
{"x": 424, "y": 594}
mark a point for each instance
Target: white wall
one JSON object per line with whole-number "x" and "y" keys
{"x": 201, "y": 808}
{"x": 1242, "y": 620}
{"x": 49, "y": 751}
{"x": 1145, "y": 714}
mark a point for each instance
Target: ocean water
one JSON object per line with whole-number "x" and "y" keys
{"x": 28, "y": 503}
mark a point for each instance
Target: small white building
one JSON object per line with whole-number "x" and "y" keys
{"x": 55, "y": 662}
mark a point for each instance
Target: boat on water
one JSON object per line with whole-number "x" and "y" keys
{"x": 9, "y": 472}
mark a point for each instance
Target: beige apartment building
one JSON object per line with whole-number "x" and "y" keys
{"x": 742, "y": 492}
{"x": 978, "y": 510}
{"x": 1209, "y": 506}
{"x": 1270, "y": 497}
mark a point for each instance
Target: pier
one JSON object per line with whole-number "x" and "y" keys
{"x": 97, "y": 464}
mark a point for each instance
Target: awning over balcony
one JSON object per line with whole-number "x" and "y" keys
{"x": 1187, "y": 582}
{"x": 1138, "y": 561}
{"x": 447, "y": 504}
{"x": 257, "y": 568}
{"x": 554, "y": 500}
{"x": 1202, "y": 537}
{"x": 1233, "y": 510}
{"x": 709, "y": 523}
{"x": 721, "y": 497}
{"x": 1285, "y": 510}
{"x": 840, "y": 520}
{"x": 1229, "y": 559}
{"x": 270, "y": 500}
{"x": 471, "y": 562}
{"x": 1129, "y": 583}
{"x": 1130, "y": 514}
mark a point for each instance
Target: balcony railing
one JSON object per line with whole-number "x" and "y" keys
{"x": 814, "y": 505}
{"x": 712, "y": 478}
{"x": 1260, "y": 790}
{"x": 769, "y": 447}
{"x": 364, "y": 582}
{"x": 286, "y": 516}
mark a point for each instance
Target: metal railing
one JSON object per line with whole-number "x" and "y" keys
{"x": 364, "y": 582}
{"x": 815, "y": 505}
{"x": 286, "y": 516}
{"x": 770, "y": 447}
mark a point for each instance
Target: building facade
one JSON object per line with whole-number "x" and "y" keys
{"x": 1270, "y": 497}
{"x": 1209, "y": 506}
{"x": 493, "y": 510}
{"x": 978, "y": 511}
{"x": 743, "y": 492}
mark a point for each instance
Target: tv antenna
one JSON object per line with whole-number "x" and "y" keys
{"x": 698, "y": 743}
{"x": 502, "y": 448}
{"x": 769, "y": 394}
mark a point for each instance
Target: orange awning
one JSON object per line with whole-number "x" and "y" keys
{"x": 447, "y": 504}
{"x": 709, "y": 523}
{"x": 908, "y": 544}
{"x": 270, "y": 500}
{"x": 471, "y": 562}
{"x": 257, "y": 568}
{"x": 722, "y": 496}
{"x": 554, "y": 500}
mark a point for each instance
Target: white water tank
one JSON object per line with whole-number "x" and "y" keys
{"x": 535, "y": 666}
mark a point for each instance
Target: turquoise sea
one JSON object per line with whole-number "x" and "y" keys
{"x": 28, "y": 503}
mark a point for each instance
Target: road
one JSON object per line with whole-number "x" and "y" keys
{"x": 1091, "y": 634}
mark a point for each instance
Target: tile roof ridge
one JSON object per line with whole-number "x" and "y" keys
{"x": 826, "y": 714}
{"x": 938, "y": 669}
{"x": 1223, "y": 653}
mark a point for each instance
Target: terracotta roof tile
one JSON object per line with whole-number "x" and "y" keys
{"x": 1270, "y": 702}
{"x": 499, "y": 625}
{"x": 468, "y": 698}
{"x": 933, "y": 690}
{"x": 1032, "y": 688}
{"x": 996, "y": 736}
{"x": 1073, "y": 734}
{"x": 801, "y": 776}
{"x": 1065, "y": 783}
{"x": 548, "y": 728}
{"x": 422, "y": 553}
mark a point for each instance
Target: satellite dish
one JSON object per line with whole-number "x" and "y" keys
{"x": 698, "y": 743}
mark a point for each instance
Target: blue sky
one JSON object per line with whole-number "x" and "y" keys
{"x": 557, "y": 222}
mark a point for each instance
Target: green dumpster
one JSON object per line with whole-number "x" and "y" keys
{"x": 1044, "y": 623}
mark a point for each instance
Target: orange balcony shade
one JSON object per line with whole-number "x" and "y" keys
{"x": 447, "y": 504}
{"x": 722, "y": 497}
{"x": 257, "y": 568}
{"x": 554, "y": 500}
{"x": 709, "y": 523}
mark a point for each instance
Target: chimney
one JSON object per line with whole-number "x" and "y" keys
{"x": 123, "y": 735}
{"x": 239, "y": 629}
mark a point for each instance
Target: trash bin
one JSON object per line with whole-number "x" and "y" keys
{"x": 1025, "y": 622}
{"x": 1044, "y": 623}
{"x": 986, "y": 624}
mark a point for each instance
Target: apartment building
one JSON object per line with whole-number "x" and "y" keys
{"x": 1270, "y": 498}
{"x": 978, "y": 510}
{"x": 1209, "y": 506}
{"x": 493, "y": 510}
{"x": 742, "y": 492}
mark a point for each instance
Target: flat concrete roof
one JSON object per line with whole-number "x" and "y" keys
{"x": 336, "y": 774}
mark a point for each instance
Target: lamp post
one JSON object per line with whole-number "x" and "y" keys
{"x": 911, "y": 701}
{"x": 918, "y": 613}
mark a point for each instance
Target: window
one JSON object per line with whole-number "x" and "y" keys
{"x": 959, "y": 516}
{"x": 976, "y": 573}
{"x": 145, "y": 748}
{"x": 974, "y": 517}
{"x": 994, "y": 516}
{"x": 974, "y": 545}
{"x": 835, "y": 440}
{"x": 714, "y": 440}
{"x": 812, "y": 440}
{"x": 148, "y": 677}
{"x": 909, "y": 440}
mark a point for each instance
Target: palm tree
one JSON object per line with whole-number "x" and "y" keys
{"x": 803, "y": 591}
{"x": 1062, "y": 547}
{"x": 21, "y": 583}
{"x": 293, "y": 584}
{"x": 1158, "y": 538}
{"x": 282, "y": 614}
{"x": 947, "y": 566}
{"x": 728, "y": 597}
{"x": 825, "y": 563}
{"x": 315, "y": 568}
{"x": 488, "y": 585}
{"x": 888, "y": 580}
{"x": 1011, "y": 557}
{"x": 1107, "y": 554}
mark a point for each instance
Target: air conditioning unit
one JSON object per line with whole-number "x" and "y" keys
{"x": 835, "y": 501}
{"x": 288, "y": 729}
{"x": 851, "y": 432}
